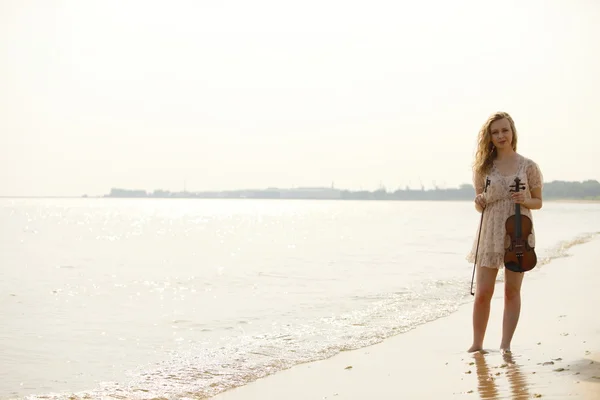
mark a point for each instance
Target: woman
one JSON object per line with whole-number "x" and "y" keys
{"x": 497, "y": 163}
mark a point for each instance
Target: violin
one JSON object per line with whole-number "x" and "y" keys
{"x": 519, "y": 256}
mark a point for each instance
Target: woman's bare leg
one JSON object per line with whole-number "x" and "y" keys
{"x": 486, "y": 280}
{"x": 512, "y": 306}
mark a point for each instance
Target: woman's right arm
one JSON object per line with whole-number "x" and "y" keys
{"x": 479, "y": 185}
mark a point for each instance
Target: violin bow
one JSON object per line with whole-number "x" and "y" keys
{"x": 487, "y": 183}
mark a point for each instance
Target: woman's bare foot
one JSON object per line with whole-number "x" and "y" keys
{"x": 474, "y": 349}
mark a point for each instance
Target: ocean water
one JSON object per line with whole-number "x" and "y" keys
{"x": 159, "y": 298}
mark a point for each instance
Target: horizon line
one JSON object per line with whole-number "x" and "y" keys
{"x": 382, "y": 187}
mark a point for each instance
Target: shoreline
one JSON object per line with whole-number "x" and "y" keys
{"x": 555, "y": 352}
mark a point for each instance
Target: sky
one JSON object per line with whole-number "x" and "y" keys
{"x": 237, "y": 94}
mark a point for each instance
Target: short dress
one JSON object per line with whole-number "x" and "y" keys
{"x": 499, "y": 206}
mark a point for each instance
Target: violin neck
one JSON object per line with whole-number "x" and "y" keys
{"x": 518, "y": 220}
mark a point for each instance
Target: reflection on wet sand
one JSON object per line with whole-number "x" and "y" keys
{"x": 516, "y": 379}
{"x": 486, "y": 380}
{"x": 488, "y": 385}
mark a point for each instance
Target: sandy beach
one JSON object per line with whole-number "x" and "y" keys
{"x": 555, "y": 352}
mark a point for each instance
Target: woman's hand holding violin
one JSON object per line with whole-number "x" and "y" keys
{"x": 480, "y": 201}
{"x": 518, "y": 197}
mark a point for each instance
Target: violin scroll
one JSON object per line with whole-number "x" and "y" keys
{"x": 517, "y": 186}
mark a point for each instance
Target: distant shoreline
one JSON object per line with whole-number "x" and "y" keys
{"x": 552, "y": 200}
{"x": 587, "y": 191}
{"x": 557, "y": 200}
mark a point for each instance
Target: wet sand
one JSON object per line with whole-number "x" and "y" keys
{"x": 555, "y": 352}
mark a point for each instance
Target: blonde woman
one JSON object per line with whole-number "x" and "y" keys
{"x": 496, "y": 165}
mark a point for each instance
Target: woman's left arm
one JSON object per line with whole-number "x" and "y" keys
{"x": 535, "y": 202}
{"x": 536, "y": 182}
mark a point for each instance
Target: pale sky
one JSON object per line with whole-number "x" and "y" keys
{"x": 251, "y": 94}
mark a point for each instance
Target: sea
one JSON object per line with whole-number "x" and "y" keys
{"x": 186, "y": 298}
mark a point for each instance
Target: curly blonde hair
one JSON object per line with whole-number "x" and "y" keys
{"x": 486, "y": 152}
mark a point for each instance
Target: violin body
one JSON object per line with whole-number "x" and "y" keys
{"x": 519, "y": 256}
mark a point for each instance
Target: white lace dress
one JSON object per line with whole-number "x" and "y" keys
{"x": 499, "y": 206}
